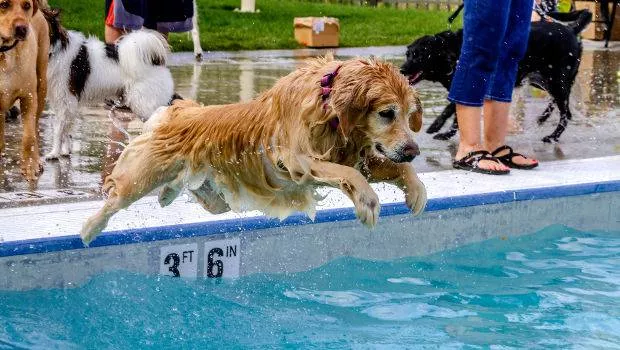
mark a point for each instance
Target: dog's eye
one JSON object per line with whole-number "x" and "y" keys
{"x": 4, "y": 5}
{"x": 26, "y": 6}
{"x": 387, "y": 114}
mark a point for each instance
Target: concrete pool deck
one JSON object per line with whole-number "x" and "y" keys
{"x": 446, "y": 190}
{"x": 39, "y": 246}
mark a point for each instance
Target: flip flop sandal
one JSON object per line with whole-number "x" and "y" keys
{"x": 506, "y": 159}
{"x": 471, "y": 160}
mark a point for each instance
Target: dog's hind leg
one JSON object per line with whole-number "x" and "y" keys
{"x": 447, "y": 112}
{"x": 196, "y": 34}
{"x": 565, "y": 115}
{"x": 61, "y": 129}
{"x": 96, "y": 223}
{"x": 454, "y": 128}
{"x": 135, "y": 175}
{"x": 547, "y": 113}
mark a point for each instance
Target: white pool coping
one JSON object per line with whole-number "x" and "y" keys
{"x": 446, "y": 189}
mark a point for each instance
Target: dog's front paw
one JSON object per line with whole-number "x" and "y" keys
{"x": 168, "y": 194}
{"x": 367, "y": 207}
{"x": 415, "y": 197}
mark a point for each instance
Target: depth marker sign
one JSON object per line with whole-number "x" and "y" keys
{"x": 222, "y": 258}
{"x": 179, "y": 260}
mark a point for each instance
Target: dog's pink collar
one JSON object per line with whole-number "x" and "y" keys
{"x": 326, "y": 85}
{"x": 326, "y": 88}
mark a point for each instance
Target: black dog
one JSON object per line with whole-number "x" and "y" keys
{"x": 550, "y": 63}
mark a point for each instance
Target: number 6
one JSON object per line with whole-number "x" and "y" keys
{"x": 219, "y": 265}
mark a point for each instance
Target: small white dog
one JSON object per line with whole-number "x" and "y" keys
{"x": 85, "y": 71}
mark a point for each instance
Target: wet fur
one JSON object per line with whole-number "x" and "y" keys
{"x": 23, "y": 77}
{"x": 272, "y": 153}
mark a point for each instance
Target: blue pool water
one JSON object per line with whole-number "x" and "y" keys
{"x": 557, "y": 288}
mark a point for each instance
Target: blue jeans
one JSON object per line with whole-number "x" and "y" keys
{"x": 495, "y": 34}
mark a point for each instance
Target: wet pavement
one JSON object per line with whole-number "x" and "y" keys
{"x": 225, "y": 77}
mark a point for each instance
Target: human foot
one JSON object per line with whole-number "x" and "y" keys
{"x": 508, "y": 157}
{"x": 480, "y": 162}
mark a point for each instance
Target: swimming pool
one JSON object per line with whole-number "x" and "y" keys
{"x": 183, "y": 240}
{"x": 525, "y": 260}
{"x": 549, "y": 289}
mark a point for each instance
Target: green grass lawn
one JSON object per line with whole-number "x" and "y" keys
{"x": 272, "y": 28}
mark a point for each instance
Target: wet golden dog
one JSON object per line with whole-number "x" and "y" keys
{"x": 327, "y": 123}
{"x": 24, "y": 50}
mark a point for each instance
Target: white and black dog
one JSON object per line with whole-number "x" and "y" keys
{"x": 85, "y": 71}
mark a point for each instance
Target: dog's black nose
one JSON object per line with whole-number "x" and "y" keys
{"x": 21, "y": 32}
{"x": 410, "y": 151}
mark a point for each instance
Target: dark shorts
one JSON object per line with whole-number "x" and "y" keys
{"x": 161, "y": 15}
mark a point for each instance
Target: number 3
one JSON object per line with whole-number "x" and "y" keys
{"x": 176, "y": 261}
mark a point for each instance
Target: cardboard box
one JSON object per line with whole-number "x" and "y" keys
{"x": 595, "y": 31}
{"x": 317, "y": 31}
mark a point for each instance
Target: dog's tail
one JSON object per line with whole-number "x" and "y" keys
{"x": 140, "y": 50}
{"x": 582, "y": 21}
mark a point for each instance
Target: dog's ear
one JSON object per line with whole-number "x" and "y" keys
{"x": 35, "y": 6}
{"x": 415, "y": 118}
{"x": 349, "y": 104}
{"x": 348, "y": 97}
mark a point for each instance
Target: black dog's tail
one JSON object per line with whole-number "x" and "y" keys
{"x": 583, "y": 19}
{"x": 175, "y": 97}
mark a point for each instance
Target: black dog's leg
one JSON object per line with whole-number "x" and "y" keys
{"x": 545, "y": 115}
{"x": 448, "y": 134}
{"x": 565, "y": 115}
{"x": 12, "y": 113}
{"x": 442, "y": 118}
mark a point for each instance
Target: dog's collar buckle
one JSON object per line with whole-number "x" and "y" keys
{"x": 7, "y": 48}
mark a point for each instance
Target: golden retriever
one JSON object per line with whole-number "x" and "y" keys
{"x": 24, "y": 50}
{"x": 271, "y": 153}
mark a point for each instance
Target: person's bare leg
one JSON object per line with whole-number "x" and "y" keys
{"x": 469, "y": 127}
{"x": 496, "y": 118}
{"x": 112, "y": 34}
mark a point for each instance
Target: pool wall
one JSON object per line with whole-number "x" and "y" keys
{"x": 463, "y": 208}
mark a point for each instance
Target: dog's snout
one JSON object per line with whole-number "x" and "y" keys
{"x": 21, "y": 31}
{"x": 410, "y": 150}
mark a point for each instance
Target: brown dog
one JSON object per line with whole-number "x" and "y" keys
{"x": 328, "y": 123}
{"x": 24, "y": 50}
